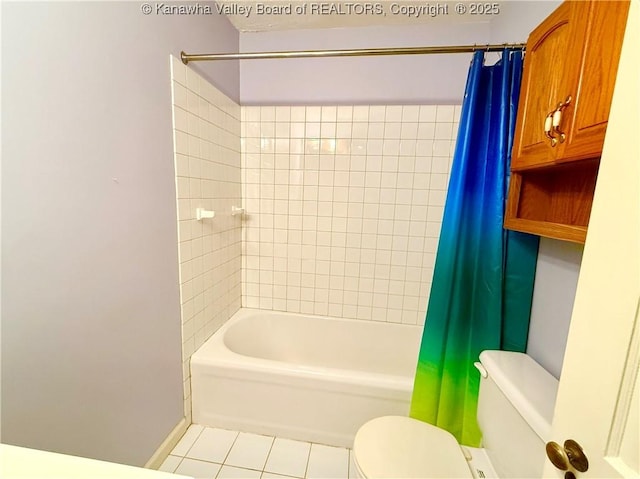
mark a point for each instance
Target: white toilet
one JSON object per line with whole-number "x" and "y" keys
{"x": 515, "y": 407}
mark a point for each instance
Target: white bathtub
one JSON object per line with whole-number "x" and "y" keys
{"x": 309, "y": 378}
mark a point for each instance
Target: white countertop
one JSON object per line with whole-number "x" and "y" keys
{"x": 20, "y": 462}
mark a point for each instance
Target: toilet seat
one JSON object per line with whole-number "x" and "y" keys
{"x": 401, "y": 447}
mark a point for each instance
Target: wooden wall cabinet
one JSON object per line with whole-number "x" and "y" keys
{"x": 567, "y": 87}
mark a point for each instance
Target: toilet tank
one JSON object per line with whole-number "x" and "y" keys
{"x": 515, "y": 408}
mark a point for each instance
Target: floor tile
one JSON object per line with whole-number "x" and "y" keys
{"x": 198, "y": 469}
{"x": 288, "y": 457}
{"x": 187, "y": 440}
{"x": 328, "y": 462}
{"x": 212, "y": 445}
{"x": 230, "y": 472}
{"x": 250, "y": 451}
{"x": 271, "y": 475}
{"x": 170, "y": 463}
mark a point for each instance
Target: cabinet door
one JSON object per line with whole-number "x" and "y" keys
{"x": 591, "y": 87}
{"x": 551, "y": 50}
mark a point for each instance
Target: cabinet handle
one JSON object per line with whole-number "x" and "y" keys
{"x": 548, "y": 125}
{"x": 557, "y": 118}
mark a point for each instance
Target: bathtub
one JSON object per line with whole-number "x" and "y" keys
{"x": 309, "y": 378}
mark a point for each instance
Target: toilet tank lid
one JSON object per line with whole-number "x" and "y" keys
{"x": 531, "y": 389}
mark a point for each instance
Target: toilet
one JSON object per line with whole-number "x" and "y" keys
{"x": 515, "y": 408}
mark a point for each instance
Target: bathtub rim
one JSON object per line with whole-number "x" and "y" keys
{"x": 221, "y": 361}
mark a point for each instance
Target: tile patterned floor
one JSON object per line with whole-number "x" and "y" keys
{"x": 211, "y": 453}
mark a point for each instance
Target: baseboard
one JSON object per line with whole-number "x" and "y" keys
{"x": 167, "y": 445}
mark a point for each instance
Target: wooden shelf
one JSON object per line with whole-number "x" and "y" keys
{"x": 576, "y": 234}
{"x": 553, "y": 202}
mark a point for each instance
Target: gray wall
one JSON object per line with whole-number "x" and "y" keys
{"x": 91, "y": 341}
{"x": 431, "y": 79}
{"x": 553, "y": 295}
{"x": 518, "y": 18}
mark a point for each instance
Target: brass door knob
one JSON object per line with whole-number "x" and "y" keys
{"x": 557, "y": 455}
{"x": 571, "y": 454}
{"x": 576, "y": 455}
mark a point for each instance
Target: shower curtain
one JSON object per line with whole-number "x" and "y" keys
{"x": 483, "y": 277}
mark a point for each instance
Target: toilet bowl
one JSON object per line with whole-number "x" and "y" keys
{"x": 401, "y": 447}
{"x": 515, "y": 407}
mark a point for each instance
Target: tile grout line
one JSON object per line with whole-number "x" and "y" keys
{"x": 266, "y": 459}
{"x": 189, "y": 449}
{"x": 177, "y": 465}
{"x": 306, "y": 468}
{"x": 229, "y": 451}
{"x": 261, "y": 470}
{"x": 194, "y": 441}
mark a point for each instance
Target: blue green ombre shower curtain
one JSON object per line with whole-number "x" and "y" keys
{"x": 483, "y": 277}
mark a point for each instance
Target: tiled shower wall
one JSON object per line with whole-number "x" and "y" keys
{"x": 344, "y": 206}
{"x": 207, "y": 163}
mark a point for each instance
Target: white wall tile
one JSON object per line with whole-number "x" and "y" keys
{"x": 393, "y": 114}
{"x": 298, "y": 113}
{"x": 445, "y": 113}
{"x": 313, "y": 114}
{"x": 208, "y": 174}
{"x": 345, "y": 113}
{"x": 428, "y": 113}
{"x": 410, "y": 113}
{"x": 348, "y": 224}
{"x": 360, "y": 113}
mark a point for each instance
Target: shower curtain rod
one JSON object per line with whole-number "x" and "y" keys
{"x": 363, "y": 52}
